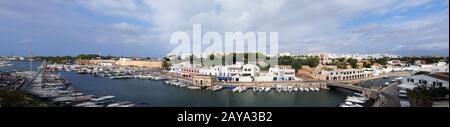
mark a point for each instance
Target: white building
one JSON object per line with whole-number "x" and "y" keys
{"x": 433, "y": 68}
{"x": 344, "y": 74}
{"x": 238, "y": 72}
{"x": 282, "y": 73}
{"x": 429, "y": 80}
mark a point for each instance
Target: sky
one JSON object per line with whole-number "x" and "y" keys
{"x": 144, "y": 27}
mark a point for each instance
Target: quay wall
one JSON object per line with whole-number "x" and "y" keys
{"x": 322, "y": 85}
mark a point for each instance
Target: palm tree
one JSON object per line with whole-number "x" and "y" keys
{"x": 420, "y": 96}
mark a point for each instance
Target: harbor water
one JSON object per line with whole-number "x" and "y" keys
{"x": 156, "y": 94}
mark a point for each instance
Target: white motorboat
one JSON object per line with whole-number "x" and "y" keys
{"x": 354, "y": 100}
{"x": 307, "y": 89}
{"x": 182, "y": 85}
{"x": 236, "y": 89}
{"x": 279, "y": 89}
{"x": 102, "y": 98}
{"x": 217, "y": 87}
{"x": 364, "y": 99}
{"x": 312, "y": 89}
{"x": 194, "y": 87}
{"x": 295, "y": 89}
{"x": 317, "y": 89}
{"x": 242, "y": 89}
{"x": 120, "y": 77}
{"x": 261, "y": 89}
{"x": 267, "y": 89}
{"x": 350, "y": 104}
{"x": 301, "y": 89}
{"x": 289, "y": 89}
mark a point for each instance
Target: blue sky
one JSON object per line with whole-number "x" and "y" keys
{"x": 143, "y": 27}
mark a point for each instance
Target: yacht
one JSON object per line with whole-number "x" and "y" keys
{"x": 354, "y": 100}
{"x": 350, "y": 104}
{"x": 182, "y": 85}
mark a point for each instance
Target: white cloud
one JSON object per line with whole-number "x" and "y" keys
{"x": 304, "y": 25}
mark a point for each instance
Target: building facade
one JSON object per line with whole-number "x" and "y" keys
{"x": 343, "y": 74}
{"x": 282, "y": 73}
{"x": 203, "y": 81}
{"x": 429, "y": 80}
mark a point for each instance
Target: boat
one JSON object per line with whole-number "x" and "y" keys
{"x": 255, "y": 89}
{"x": 102, "y": 98}
{"x": 242, "y": 89}
{"x": 84, "y": 104}
{"x": 362, "y": 98}
{"x": 317, "y": 89}
{"x": 311, "y": 88}
{"x": 267, "y": 89}
{"x": 236, "y": 89}
{"x": 279, "y": 89}
{"x": 307, "y": 89}
{"x": 301, "y": 89}
{"x": 350, "y": 104}
{"x": 145, "y": 77}
{"x": 358, "y": 94}
{"x": 121, "y": 77}
{"x": 118, "y": 104}
{"x": 296, "y": 89}
{"x": 261, "y": 89}
{"x": 182, "y": 85}
{"x": 166, "y": 82}
{"x": 354, "y": 100}
{"x": 289, "y": 89}
{"x": 128, "y": 105}
{"x": 386, "y": 84}
{"x": 194, "y": 87}
{"x": 217, "y": 87}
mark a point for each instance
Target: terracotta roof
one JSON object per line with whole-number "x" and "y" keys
{"x": 440, "y": 75}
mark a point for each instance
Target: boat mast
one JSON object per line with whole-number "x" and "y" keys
{"x": 31, "y": 61}
{"x": 44, "y": 71}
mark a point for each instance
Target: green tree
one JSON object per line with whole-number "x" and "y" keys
{"x": 420, "y": 96}
{"x": 87, "y": 56}
{"x": 367, "y": 65}
{"x": 352, "y": 62}
{"x": 313, "y": 61}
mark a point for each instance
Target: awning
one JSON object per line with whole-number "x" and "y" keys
{"x": 224, "y": 78}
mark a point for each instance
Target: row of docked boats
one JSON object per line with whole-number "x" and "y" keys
{"x": 105, "y": 101}
{"x": 58, "y": 91}
{"x": 5, "y": 64}
{"x": 180, "y": 84}
{"x": 278, "y": 89}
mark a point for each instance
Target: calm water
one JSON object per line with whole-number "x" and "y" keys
{"x": 155, "y": 94}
